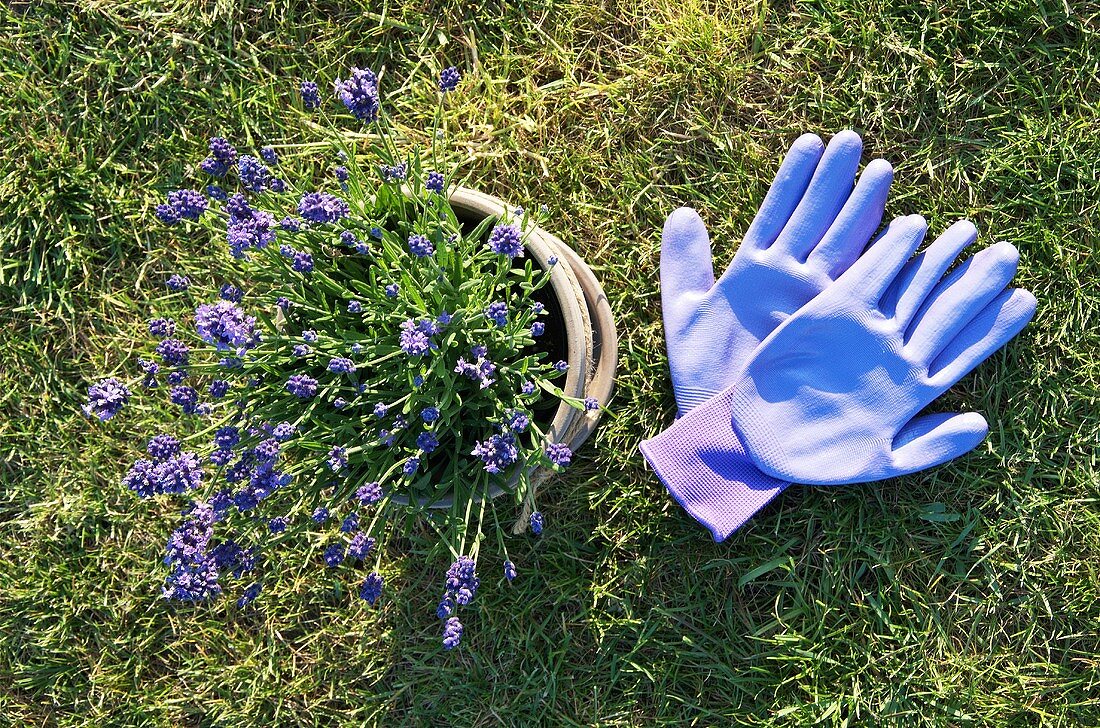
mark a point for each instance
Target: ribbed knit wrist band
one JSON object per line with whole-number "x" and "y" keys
{"x": 703, "y": 464}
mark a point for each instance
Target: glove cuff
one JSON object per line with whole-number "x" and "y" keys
{"x": 703, "y": 464}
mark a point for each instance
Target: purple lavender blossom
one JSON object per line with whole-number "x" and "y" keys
{"x": 444, "y": 318}
{"x": 151, "y": 368}
{"x": 590, "y": 404}
{"x": 227, "y": 437}
{"x": 392, "y": 290}
{"x": 434, "y": 182}
{"x": 334, "y": 554}
{"x": 269, "y": 155}
{"x": 420, "y": 246}
{"x": 561, "y": 365}
{"x": 528, "y": 387}
{"x": 254, "y": 174}
{"x": 163, "y": 446}
{"x": 194, "y": 581}
{"x": 427, "y": 441}
{"x": 538, "y": 328}
{"x": 309, "y": 335}
{"x": 498, "y": 452}
{"x": 372, "y": 588}
{"x": 311, "y": 95}
{"x": 177, "y": 474}
{"x": 290, "y": 224}
{"x": 452, "y": 633}
{"x": 341, "y": 365}
{"x": 321, "y": 207}
{"x": 222, "y": 150}
{"x": 355, "y": 306}
{"x": 462, "y": 581}
{"x": 339, "y": 403}
{"x": 282, "y": 302}
{"x": 186, "y": 397}
{"x": 506, "y": 240}
{"x": 360, "y": 546}
{"x": 482, "y": 370}
{"x": 337, "y": 458}
{"x": 267, "y": 451}
{"x": 214, "y": 192}
{"x": 283, "y": 431}
{"x": 247, "y": 228}
{"x": 350, "y": 523}
{"x": 359, "y": 93}
{"x": 218, "y": 388}
{"x": 497, "y": 313}
{"x": 300, "y": 350}
{"x": 225, "y": 325}
{"x": 178, "y": 283}
{"x": 177, "y": 377}
{"x": 277, "y": 524}
{"x": 509, "y": 570}
{"x": 536, "y": 523}
{"x": 106, "y": 398}
{"x": 301, "y": 386}
{"x": 229, "y": 292}
{"x": 448, "y": 79}
{"x": 411, "y": 465}
{"x": 303, "y": 262}
{"x": 429, "y": 414}
{"x": 221, "y": 458}
{"x": 250, "y": 595}
{"x": 559, "y": 453}
{"x": 394, "y": 173}
{"x": 413, "y": 341}
{"x": 182, "y": 205}
{"x": 167, "y": 214}
{"x": 380, "y": 410}
{"x": 369, "y": 493}
{"x": 516, "y": 420}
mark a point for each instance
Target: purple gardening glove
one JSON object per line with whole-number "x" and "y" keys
{"x": 814, "y": 223}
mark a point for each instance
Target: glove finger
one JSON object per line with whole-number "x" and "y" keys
{"x": 856, "y": 222}
{"x": 879, "y": 265}
{"x": 930, "y": 440}
{"x": 991, "y": 329}
{"x": 828, "y": 191}
{"x": 787, "y": 189}
{"x": 685, "y": 257}
{"x": 920, "y": 275}
{"x": 958, "y": 298}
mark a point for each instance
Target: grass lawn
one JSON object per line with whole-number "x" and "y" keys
{"x": 966, "y": 595}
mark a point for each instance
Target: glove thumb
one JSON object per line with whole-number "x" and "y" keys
{"x": 931, "y": 440}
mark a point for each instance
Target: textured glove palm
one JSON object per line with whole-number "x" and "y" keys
{"x": 813, "y": 224}
{"x": 833, "y": 395}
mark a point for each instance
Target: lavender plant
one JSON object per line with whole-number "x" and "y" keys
{"x": 373, "y": 353}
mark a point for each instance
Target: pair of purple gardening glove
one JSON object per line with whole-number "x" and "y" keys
{"x": 813, "y": 355}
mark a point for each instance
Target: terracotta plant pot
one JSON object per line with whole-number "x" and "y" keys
{"x": 586, "y": 330}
